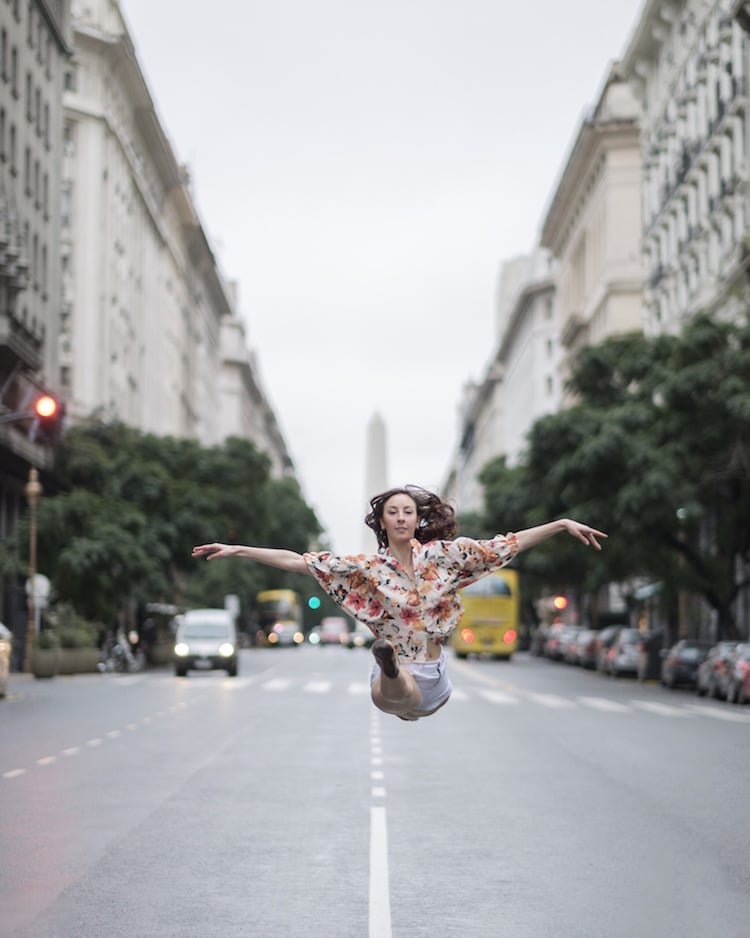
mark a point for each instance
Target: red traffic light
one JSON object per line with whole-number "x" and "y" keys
{"x": 45, "y": 406}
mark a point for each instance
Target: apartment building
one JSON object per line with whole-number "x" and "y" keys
{"x": 519, "y": 383}
{"x": 34, "y": 49}
{"x": 149, "y": 331}
{"x": 582, "y": 284}
{"x": 687, "y": 63}
{"x": 593, "y": 226}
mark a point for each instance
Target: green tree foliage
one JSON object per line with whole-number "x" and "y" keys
{"x": 656, "y": 452}
{"x": 131, "y": 506}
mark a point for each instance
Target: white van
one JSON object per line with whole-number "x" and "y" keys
{"x": 206, "y": 639}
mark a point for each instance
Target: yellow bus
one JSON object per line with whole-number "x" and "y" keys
{"x": 489, "y": 625}
{"x": 280, "y": 618}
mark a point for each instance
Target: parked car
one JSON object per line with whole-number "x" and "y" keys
{"x": 650, "y": 647}
{"x": 622, "y": 654}
{"x": 681, "y": 662}
{"x": 554, "y": 644}
{"x": 738, "y": 686}
{"x": 712, "y": 670}
{"x": 6, "y": 646}
{"x": 586, "y": 648}
{"x": 604, "y": 641}
{"x": 570, "y": 644}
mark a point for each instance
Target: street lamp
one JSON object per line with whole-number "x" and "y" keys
{"x": 33, "y": 491}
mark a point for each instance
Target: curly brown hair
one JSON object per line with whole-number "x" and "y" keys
{"x": 436, "y": 518}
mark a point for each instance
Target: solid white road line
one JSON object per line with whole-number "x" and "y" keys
{"x": 380, "y": 899}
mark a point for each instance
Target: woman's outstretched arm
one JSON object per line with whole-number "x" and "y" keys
{"x": 287, "y": 560}
{"x": 542, "y": 532}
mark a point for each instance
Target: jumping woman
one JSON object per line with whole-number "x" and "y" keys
{"x": 407, "y": 593}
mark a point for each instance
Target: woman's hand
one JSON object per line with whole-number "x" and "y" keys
{"x": 211, "y": 551}
{"x": 583, "y": 532}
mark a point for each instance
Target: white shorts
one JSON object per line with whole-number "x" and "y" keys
{"x": 432, "y": 680}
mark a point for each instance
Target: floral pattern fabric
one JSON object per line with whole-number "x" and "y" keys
{"x": 407, "y": 610}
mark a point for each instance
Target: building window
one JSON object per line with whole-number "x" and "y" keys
{"x": 44, "y": 271}
{"x": 4, "y": 54}
{"x": 69, "y": 138}
{"x": 14, "y": 71}
{"x": 30, "y": 25}
{"x": 2, "y": 133}
{"x": 12, "y": 150}
{"x": 37, "y": 189}
{"x": 550, "y": 385}
{"x": 66, "y": 205}
{"x": 71, "y": 78}
{"x": 29, "y": 97}
{"x": 45, "y": 196}
{"x": 27, "y": 170}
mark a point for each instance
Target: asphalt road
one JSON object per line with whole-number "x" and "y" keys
{"x": 541, "y": 801}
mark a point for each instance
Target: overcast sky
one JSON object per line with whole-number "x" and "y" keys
{"x": 362, "y": 170}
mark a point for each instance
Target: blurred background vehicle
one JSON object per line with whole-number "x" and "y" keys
{"x": 650, "y": 646}
{"x": 712, "y": 670}
{"x": 738, "y": 683}
{"x": 279, "y": 618}
{"x": 554, "y": 642}
{"x": 314, "y": 635}
{"x": 603, "y": 644}
{"x": 361, "y": 637}
{"x": 490, "y": 621}
{"x": 586, "y": 648}
{"x": 681, "y": 663}
{"x": 622, "y": 655}
{"x": 334, "y": 630}
{"x": 206, "y": 639}
{"x": 570, "y": 645}
{"x": 6, "y": 647}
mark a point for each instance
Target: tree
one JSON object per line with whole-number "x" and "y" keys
{"x": 656, "y": 451}
{"x": 132, "y": 505}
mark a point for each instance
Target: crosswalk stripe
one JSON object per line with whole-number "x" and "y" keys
{"x": 730, "y": 716}
{"x": 606, "y": 706}
{"x": 458, "y": 694}
{"x": 498, "y": 697}
{"x": 552, "y": 701}
{"x": 662, "y": 710}
{"x": 317, "y": 687}
{"x": 359, "y": 687}
{"x": 277, "y": 683}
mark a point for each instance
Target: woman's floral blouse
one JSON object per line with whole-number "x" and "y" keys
{"x": 410, "y": 611}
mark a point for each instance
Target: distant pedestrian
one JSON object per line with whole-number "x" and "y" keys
{"x": 407, "y": 593}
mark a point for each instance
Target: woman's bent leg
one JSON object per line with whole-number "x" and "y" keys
{"x": 396, "y": 695}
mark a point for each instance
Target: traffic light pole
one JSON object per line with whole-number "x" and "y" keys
{"x": 33, "y": 491}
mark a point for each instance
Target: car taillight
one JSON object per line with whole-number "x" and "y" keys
{"x": 509, "y": 637}
{"x": 467, "y": 635}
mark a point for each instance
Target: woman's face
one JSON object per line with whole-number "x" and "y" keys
{"x": 400, "y": 518}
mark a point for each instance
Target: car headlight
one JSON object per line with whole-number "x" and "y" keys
{"x": 314, "y": 638}
{"x": 181, "y": 649}
{"x": 298, "y": 638}
{"x": 226, "y": 650}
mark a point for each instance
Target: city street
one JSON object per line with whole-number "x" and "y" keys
{"x": 543, "y": 800}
